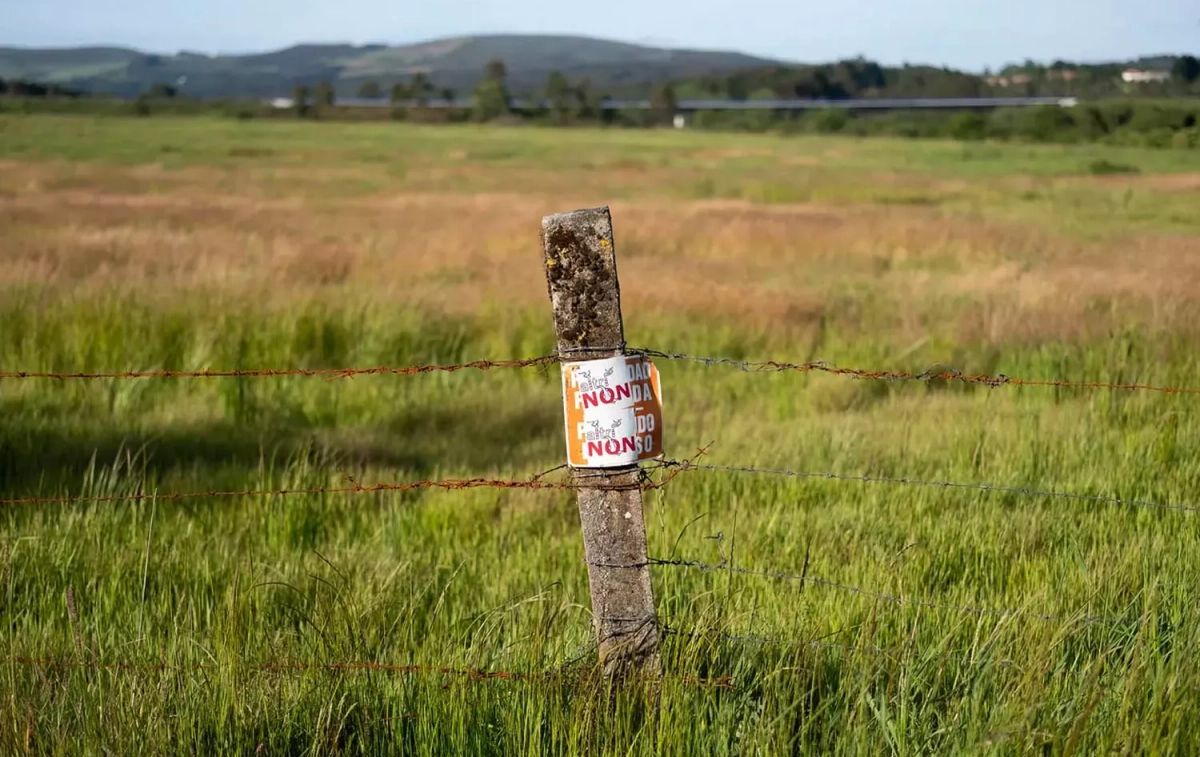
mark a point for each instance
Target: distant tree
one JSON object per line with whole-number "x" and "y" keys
{"x": 712, "y": 85}
{"x": 420, "y": 88}
{"x": 161, "y": 91}
{"x": 490, "y": 99}
{"x": 399, "y": 93}
{"x": 3, "y": 87}
{"x": 873, "y": 75}
{"x": 559, "y": 96}
{"x": 300, "y": 100}
{"x": 1186, "y": 69}
{"x": 324, "y": 95}
{"x": 370, "y": 90}
{"x": 141, "y": 106}
{"x": 968, "y": 126}
{"x": 737, "y": 86}
{"x": 496, "y": 71}
{"x": 816, "y": 85}
{"x": 586, "y": 103}
{"x": 448, "y": 95}
{"x": 663, "y": 104}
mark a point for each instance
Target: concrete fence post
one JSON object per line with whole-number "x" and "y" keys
{"x": 581, "y": 271}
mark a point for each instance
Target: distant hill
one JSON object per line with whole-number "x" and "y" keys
{"x": 449, "y": 63}
{"x": 63, "y": 65}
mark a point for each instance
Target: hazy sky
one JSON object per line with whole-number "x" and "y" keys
{"x": 954, "y": 32}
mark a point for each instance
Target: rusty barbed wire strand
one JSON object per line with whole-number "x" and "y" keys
{"x": 987, "y": 488}
{"x": 330, "y": 373}
{"x": 933, "y": 374}
{"x": 474, "y": 674}
{"x": 726, "y": 567}
{"x": 748, "y": 366}
{"x": 967, "y": 656}
{"x": 644, "y": 483}
{"x": 715, "y": 633}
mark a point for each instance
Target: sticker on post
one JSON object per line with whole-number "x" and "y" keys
{"x": 613, "y": 412}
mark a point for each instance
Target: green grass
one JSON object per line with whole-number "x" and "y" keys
{"x": 214, "y": 591}
{"x": 1023, "y": 183}
{"x": 494, "y": 580}
{"x": 203, "y": 141}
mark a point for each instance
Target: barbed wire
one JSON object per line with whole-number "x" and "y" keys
{"x": 446, "y": 485}
{"x": 988, "y": 488}
{"x": 967, "y": 656}
{"x": 938, "y": 373}
{"x": 726, "y": 567}
{"x": 580, "y": 479}
{"x": 749, "y": 638}
{"x": 473, "y": 674}
{"x": 592, "y": 479}
{"x": 331, "y": 373}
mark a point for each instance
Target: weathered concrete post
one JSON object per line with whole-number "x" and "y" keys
{"x": 581, "y": 270}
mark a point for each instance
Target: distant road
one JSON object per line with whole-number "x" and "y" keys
{"x": 691, "y": 106}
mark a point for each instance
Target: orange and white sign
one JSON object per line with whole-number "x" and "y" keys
{"x": 613, "y": 411}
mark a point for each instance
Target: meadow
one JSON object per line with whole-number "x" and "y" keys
{"x": 223, "y": 625}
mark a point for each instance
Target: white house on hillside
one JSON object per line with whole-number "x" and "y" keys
{"x": 1138, "y": 76}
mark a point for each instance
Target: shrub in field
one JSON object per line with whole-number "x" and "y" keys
{"x": 832, "y": 121}
{"x": 1091, "y": 122}
{"x": 913, "y": 125}
{"x": 1003, "y": 123}
{"x": 1106, "y": 168}
{"x": 1159, "y": 137}
{"x": 1186, "y": 139}
{"x": 968, "y": 126}
{"x": 1048, "y": 124}
{"x": 752, "y": 121}
{"x": 1148, "y": 117}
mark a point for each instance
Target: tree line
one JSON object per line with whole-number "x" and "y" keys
{"x": 861, "y": 78}
{"x": 560, "y": 100}
{"x": 1137, "y": 118}
{"x": 855, "y": 78}
{"x": 26, "y": 88}
{"x": 563, "y": 101}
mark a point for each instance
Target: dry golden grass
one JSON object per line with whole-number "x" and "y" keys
{"x": 265, "y": 230}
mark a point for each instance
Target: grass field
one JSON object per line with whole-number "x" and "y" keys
{"x": 188, "y": 244}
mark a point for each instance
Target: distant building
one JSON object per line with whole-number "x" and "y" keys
{"x": 1138, "y": 76}
{"x": 1009, "y": 81}
{"x": 282, "y": 103}
{"x": 1065, "y": 74}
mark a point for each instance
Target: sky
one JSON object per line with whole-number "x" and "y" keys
{"x": 970, "y": 34}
